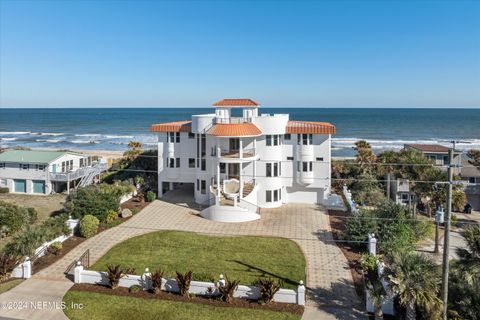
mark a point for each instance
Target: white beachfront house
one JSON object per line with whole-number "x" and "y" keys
{"x": 238, "y": 160}
{"x": 44, "y": 172}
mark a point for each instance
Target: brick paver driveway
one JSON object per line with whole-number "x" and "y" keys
{"x": 331, "y": 294}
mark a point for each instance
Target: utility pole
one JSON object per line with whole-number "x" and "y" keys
{"x": 446, "y": 242}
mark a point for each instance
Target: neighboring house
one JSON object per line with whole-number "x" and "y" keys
{"x": 439, "y": 154}
{"x": 470, "y": 175}
{"x": 400, "y": 191}
{"x": 44, "y": 172}
{"x": 238, "y": 164}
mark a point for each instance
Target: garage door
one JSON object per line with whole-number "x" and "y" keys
{"x": 38, "y": 186}
{"x": 20, "y": 185}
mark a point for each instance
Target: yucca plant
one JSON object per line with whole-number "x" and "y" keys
{"x": 183, "y": 281}
{"x": 115, "y": 273}
{"x": 7, "y": 264}
{"x": 268, "y": 288}
{"x": 157, "y": 280}
{"x": 227, "y": 290}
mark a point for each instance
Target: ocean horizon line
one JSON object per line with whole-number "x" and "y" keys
{"x": 261, "y": 106}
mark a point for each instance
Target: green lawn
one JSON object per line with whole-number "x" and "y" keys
{"x": 100, "y": 306}
{"x": 240, "y": 258}
{"x": 4, "y": 287}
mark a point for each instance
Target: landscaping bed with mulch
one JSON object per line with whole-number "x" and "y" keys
{"x": 338, "y": 219}
{"x": 212, "y": 301}
{"x": 48, "y": 259}
{"x": 73, "y": 241}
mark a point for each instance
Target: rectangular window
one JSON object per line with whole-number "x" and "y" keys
{"x": 204, "y": 165}
{"x": 191, "y": 162}
{"x": 203, "y": 187}
{"x": 289, "y": 158}
{"x": 178, "y": 163}
{"x": 269, "y": 140}
{"x": 268, "y": 196}
{"x": 275, "y": 195}
{"x": 276, "y": 138}
{"x": 279, "y": 194}
{"x": 305, "y": 166}
{"x": 24, "y": 166}
{"x": 177, "y": 136}
{"x": 287, "y": 136}
{"x": 171, "y": 137}
{"x": 298, "y": 165}
{"x": 191, "y": 135}
{"x": 71, "y": 165}
{"x": 275, "y": 170}
{"x": 311, "y": 166}
{"x": 198, "y": 185}
{"x": 39, "y": 167}
{"x": 471, "y": 180}
{"x": 204, "y": 145}
{"x": 319, "y": 159}
{"x": 171, "y": 162}
{"x": 63, "y": 166}
{"x": 299, "y": 136}
{"x": 2, "y": 164}
{"x": 223, "y": 168}
{"x": 304, "y": 139}
{"x": 268, "y": 170}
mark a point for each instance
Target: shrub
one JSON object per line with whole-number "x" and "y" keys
{"x": 157, "y": 280}
{"x": 111, "y": 215}
{"x": 151, "y": 196}
{"x": 268, "y": 288}
{"x": 454, "y": 219}
{"x": 88, "y": 226}
{"x": 55, "y": 248}
{"x": 359, "y": 226}
{"x": 97, "y": 200}
{"x": 25, "y": 243}
{"x": 369, "y": 262}
{"x": 13, "y": 218}
{"x": 183, "y": 281}
{"x": 135, "y": 289}
{"x": 7, "y": 263}
{"x": 114, "y": 273}
{"x": 227, "y": 290}
{"x": 4, "y": 190}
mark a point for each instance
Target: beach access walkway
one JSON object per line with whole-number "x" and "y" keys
{"x": 330, "y": 290}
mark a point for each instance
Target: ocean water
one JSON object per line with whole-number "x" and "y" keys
{"x": 113, "y": 128}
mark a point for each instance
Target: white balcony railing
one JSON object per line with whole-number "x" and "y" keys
{"x": 77, "y": 174}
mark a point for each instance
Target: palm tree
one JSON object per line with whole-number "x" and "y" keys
{"x": 365, "y": 156}
{"x": 388, "y": 158}
{"x": 469, "y": 258}
{"x": 378, "y": 295}
{"x": 414, "y": 277}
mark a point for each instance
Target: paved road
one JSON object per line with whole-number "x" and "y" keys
{"x": 330, "y": 290}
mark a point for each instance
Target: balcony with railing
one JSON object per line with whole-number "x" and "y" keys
{"x": 79, "y": 173}
{"x": 238, "y": 153}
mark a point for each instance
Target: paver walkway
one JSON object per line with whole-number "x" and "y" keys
{"x": 330, "y": 290}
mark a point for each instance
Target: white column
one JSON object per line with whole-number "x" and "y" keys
{"x": 218, "y": 178}
{"x": 77, "y": 273}
{"x": 241, "y": 180}
{"x": 301, "y": 294}
{"x": 241, "y": 148}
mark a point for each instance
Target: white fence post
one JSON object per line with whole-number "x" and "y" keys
{"x": 372, "y": 244}
{"x": 78, "y": 273}
{"x": 221, "y": 281}
{"x": 301, "y": 294}
{"x": 27, "y": 268}
{"x": 72, "y": 224}
{"x": 146, "y": 279}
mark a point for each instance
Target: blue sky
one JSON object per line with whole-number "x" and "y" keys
{"x": 281, "y": 53}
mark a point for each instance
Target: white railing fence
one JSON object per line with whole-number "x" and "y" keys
{"x": 196, "y": 287}
{"x": 350, "y": 201}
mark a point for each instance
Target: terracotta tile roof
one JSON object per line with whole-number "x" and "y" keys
{"x": 236, "y": 103}
{"x": 428, "y": 147}
{"x": 177, "y": 126}
{"x": 310, "y": 127}
{"x": 234, "y": 130}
